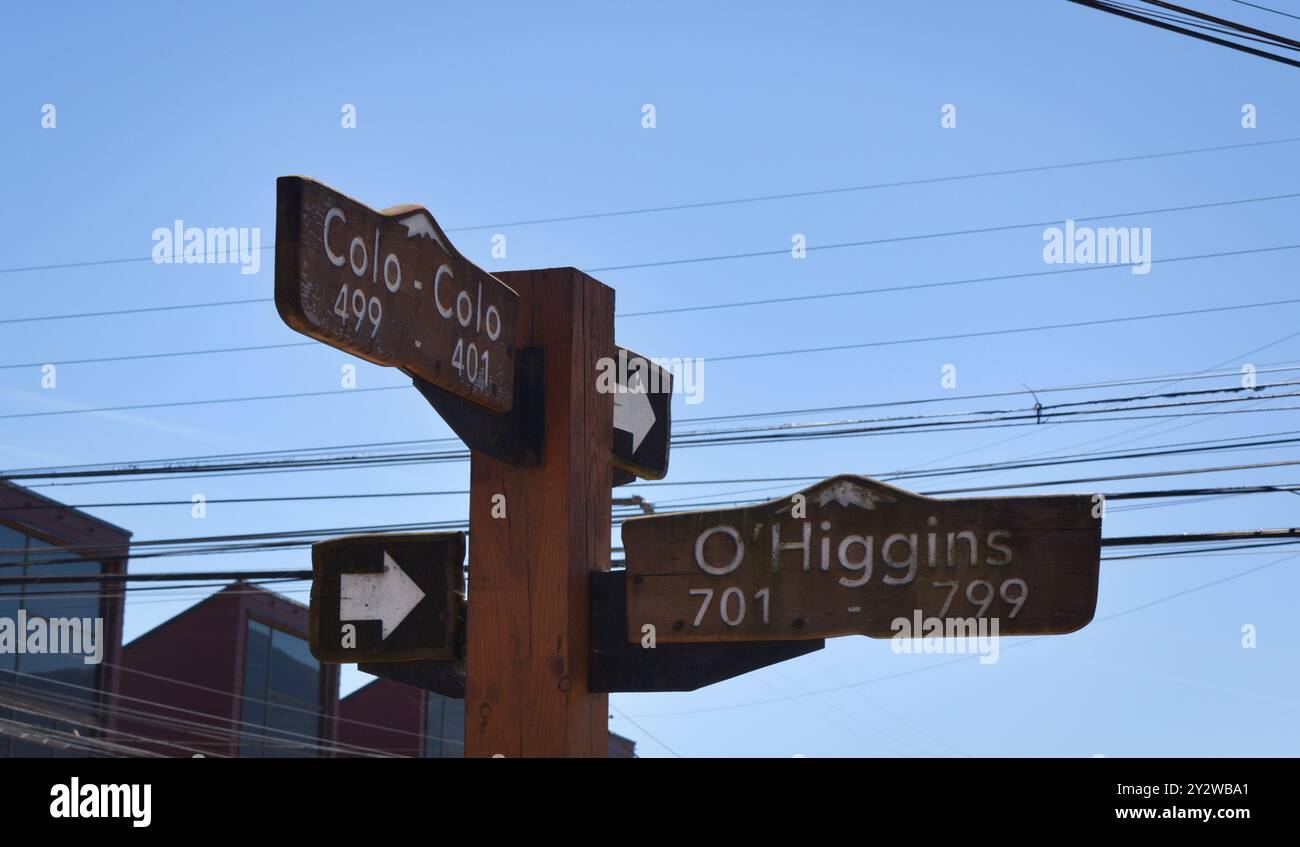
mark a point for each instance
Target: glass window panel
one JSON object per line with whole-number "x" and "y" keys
{"x": 257, "y": 653}
{"x": 10, "y": 566}
{"x": 64, "y": 674}
{"x": 12, "y": 545}
{"x": 294, "y": 692}
{"x": 444, "y": 727}
{"x": 57, "y": 681}
{"x": 432, "y": 725}
{"x": 282, "y": 690}
{"x": 453, "y": 728}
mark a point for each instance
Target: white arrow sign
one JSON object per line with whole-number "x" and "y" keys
{"x": 387, "y": 597}
{"x": 633, "y": 413}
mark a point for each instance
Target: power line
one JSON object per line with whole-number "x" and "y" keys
{"x": 170, "y": 468}
{"x": 225, "y": 576}
{"x": 139, "y": 311}
{"x": 1039, "y": 411}
{"x": 1117, "y": 383}
{"x": 997, "y": 332}
{"x": 735, "y": 357}
{"x": 675, "y": 310}
{"x": 137, "y": 466}
{"x": 214, "y": 501}
{"x": 1232, "y": 359}
{"x": 715, "y": 439}
{"x": 1271, "y": 536}
{"x": 743, "y": 303}
{"x": 1280, "y": 40}
{"x": 218, "y": 472}
{"x": 926, "y": 236}
{"x": 923, "y": 668}
{"x": 294, "y": 539}
{"x": 888, "y": 289}
{"x": 1266, "y": 9}
{"x": 647, "y": 733}
{"x": 1152, "y": 20}
{"x": 727, "y": 202}
{"x": 874, "y": 186}
{"x": 222, "y": 729}
{"x": 204, "y": 402}
{"x": 125, "y": 589}
{"x": 1200, "y": 24}
{"x": 1133, "y": 495}
{"x": 249, "y": 698}
{"x": 1117, "y": 477}
{"x": 170, "y": 355}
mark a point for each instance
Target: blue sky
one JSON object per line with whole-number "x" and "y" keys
{"x": 493, "y": 113}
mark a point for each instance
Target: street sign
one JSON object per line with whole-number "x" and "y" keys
{"x": 617, "y": 665}
{"x": 853, "y": 555}
{"x": 390, "y": 288}
{"x": 387, "y": 597}
{"x": 643, "y": 393}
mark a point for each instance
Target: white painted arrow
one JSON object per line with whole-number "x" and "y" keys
{"x": 387, "y": 597}
{"x": 633, "y": 413}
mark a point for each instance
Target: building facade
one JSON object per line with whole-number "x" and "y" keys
{"x": 403, "y": 720}
{"x": 230, "y": 676}
{"x": 53, "y": 702}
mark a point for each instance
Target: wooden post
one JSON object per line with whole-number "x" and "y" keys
{"x": 526, "y": 691}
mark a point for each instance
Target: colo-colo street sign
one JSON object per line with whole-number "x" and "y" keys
{"x": 390, "y": 288}
{"x": 853, "y": 555}
{"x": 643, "y": 393}
{"x": 387, "y": 597}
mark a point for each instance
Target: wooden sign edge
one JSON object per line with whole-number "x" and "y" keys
{"x": 641, "y": 471}
{"x": 443, "y": 677}
{"x": 456, "y": 597}
{"x": 911, "y": 495}
{"x": 618, "y": 666}
{"x": 288, "y": 296}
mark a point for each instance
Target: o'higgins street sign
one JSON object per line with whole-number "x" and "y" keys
{"x": 852, "y": 555}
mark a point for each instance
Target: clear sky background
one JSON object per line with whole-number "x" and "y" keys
{"x": 492, "y": 113}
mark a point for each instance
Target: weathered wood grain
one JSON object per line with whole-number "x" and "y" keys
{"x": 1044, "y": 548}
{"x": 389, "y": 287}
{"x": 526, "y": 689}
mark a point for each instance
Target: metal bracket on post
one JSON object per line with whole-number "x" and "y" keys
{"x": 513, "y": 437}
{"x": 618, "y": 665}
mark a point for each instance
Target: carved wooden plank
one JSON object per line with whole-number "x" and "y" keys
{"x": 853, "y": 555}
{"x": 390, "y": 288}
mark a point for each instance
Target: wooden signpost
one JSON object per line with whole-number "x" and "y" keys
{"x": 389, "y": 287}
{"x": 524, "y": 369}
{"x": 387, "y": 597}
{"x": 852, "y": 555}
